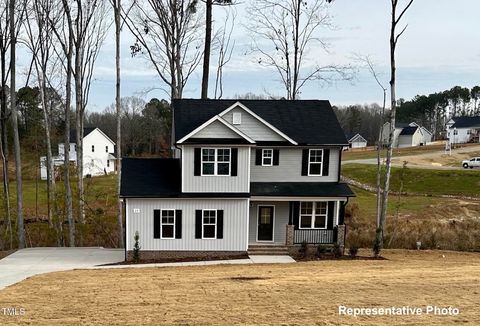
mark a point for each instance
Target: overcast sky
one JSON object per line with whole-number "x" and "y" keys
{"x": 440, "y": 49}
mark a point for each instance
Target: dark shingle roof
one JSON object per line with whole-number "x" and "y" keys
{"x": 301, "y": 189}
{"x": 158, "y": 178}
{"x": 407, "y": 131}
{"x": 311, "y": 122}
{"x": 86, "y": 131}
{"x": 466, "y": 122}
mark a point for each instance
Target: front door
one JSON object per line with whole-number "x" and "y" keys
{"x": 265, "y": 223}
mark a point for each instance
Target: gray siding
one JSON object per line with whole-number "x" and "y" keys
{"x": 252, "y": 127}
{"x": 235, "y": 224}
{"x": 290, "y": 168}
{"x": 191, "y": 183}
{"x": 216, "y": 130}
{"x": 280, "y": 225}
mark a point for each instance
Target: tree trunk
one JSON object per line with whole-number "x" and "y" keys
{"x": 16, "y": 139}
{"x": 117, "y": 8}
{"x": 207, "y": 48}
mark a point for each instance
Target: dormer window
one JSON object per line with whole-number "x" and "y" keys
{"x": 267, "y": 157}
{"x": 215, "y": 161}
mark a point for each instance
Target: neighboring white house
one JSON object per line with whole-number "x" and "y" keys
{"x": 98, "y": 153}
{"x": 463, "y": 130}
{"x": 408, "y": 135}
{"x": 356, "y": 141}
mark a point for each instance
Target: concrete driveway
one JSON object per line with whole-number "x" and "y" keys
{"x": 32, "y": 261}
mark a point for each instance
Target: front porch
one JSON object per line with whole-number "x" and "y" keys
{"x": 279, "y": 224}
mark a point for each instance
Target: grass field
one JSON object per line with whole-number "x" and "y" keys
{"x": 372, "y": 153}
{"x": 422, "y": 181}
{"x": 304, "y": 293}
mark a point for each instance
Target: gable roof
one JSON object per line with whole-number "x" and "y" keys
{"x": 466, "y": 122}
{"x": 408, "y": 131}
{"x": 307, "y": 122}
{"x": 357, "y": 137}
{"x": 86, "y": 131}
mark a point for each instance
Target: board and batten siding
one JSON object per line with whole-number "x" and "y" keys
{"x": 281, "y": 211}
{"x": 216, "y": 130}
{"x": 139, "y": 214}
{"x": 220, "y": 184}
{"x": 290, "y": 168}
{"x": 252, "y": 127}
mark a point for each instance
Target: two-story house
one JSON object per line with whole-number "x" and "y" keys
{"x": 245, "y": 173}
{"x": 98, "y": 153}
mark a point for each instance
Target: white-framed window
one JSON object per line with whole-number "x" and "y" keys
{"x": 209, "y": 224}
{"x": 267, "y": 157}
{"x": 315, "y": 162}
{"x": 313, "y": 215}
{"x": 167, "y": 221}
{"x": 106, "y": 149}
{"x": 108, "y": 163}
{"x": 455, "y": 132}
{"x": 216, "y": 161}
{"x": 93, "y": 148}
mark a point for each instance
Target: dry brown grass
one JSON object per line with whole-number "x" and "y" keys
{"x": 301, "y": 294}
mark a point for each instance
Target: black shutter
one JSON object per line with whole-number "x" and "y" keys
{"x": 305, "y": 162}
{"x": 341, "y": 215}
{"x": 198, "y": 224}
{"x": 276, "y": 157}
{"x": 258, "y": 157}
{"x": 326, "y": 162}
{"x": 234, "y": 167}
{"x": 178, "y": 224}
{"x": 296, "y": 214}
{"x": 220, "y": 224}
{"x": 156, "y": 224}
{"x": 197, "y": 162}
{"x": 330, "y": 214}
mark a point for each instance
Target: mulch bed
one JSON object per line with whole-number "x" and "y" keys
{"x": 177, "y": 260}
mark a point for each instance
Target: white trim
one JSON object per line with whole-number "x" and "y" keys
{"x": 174, "y": 223}
{"x": 216, "y": 162}
{"x": 321, "y": 163}
{"x": 263, "y": 156}
{"x": 273, "y": 217}
{"x": 313, "y": 215}
{"x": 337, "y": 213}
{"x": 127, "y": 215}
{"x": 276, "y": 198}
{"x": 352, "y": 140}
{"x": 249, "y": 168}
{"x": 225, "y": 123}
{"x": 182, "y": 176}
{"x": 236, "y": 104}
{"x": 216, "y": 223}
{"x": 247, "y": 225}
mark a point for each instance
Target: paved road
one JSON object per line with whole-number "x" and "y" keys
{"x": 28, "y": 262}
{"x": 373, "y": 161}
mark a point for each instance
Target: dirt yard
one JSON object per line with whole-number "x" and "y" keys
{"x": 301, "y": 293}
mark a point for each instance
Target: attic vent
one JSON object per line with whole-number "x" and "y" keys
{"x": 237, "y": 118}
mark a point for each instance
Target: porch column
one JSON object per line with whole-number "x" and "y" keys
{"x": 341, "y": 236}
{"x": 289, "y": 235}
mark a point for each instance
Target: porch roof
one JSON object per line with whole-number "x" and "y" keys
{"x": 301, "y": 189}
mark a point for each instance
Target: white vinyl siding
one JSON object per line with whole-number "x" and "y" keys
{"x": 290, "y": 168}
{"x": 219, "y": 184}
{"x": 235, "y": 224}
{"x": 216, "y": 130}
{"x": 252, "y": 127}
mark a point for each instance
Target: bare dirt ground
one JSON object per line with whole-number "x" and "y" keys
{"x": 300, "y": 294}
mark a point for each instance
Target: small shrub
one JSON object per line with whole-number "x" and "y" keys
{"x": 353, "y": 251}
{"x": 303, "y": 249}
{"x": 136, "y": 248}
{"x": 337, "y": 250}
{"x": 321, "y": 250}
{"x": 376, "y": 245}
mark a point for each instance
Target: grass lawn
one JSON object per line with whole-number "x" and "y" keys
{"x": 371, "y": 153}
{"x": 303, "y": 293}
{"x": 422, "y": 181}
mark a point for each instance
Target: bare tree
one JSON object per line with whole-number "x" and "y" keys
{"x": 282, "y": 33}
{"x": 225, "y": 50}
{"x": 394, "y": 37}
{"x": 16, "y": 7}
{"x": 117, "y": 7}
{"x": 167, "y": 33}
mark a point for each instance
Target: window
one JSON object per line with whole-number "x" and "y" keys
{"x": 215, "y": 161}
{"x": 455, "y": 132}
{"x": 315, "y": 159}
{"x": 106, "y": 149}
{"x": 237, "y": 118}
{"x": 93, "y": 148}
{"x": 313, "y": 215}
{"x": 168, "y": 224}
{"x": 267, "y": 157}
{"x": 209, "y": 224}
{"x": 108, "y": 163}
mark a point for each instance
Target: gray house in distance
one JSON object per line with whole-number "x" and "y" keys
{"x": 248, "y": 176}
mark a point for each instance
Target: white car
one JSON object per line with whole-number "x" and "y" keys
{"x": 471, "y": 163}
